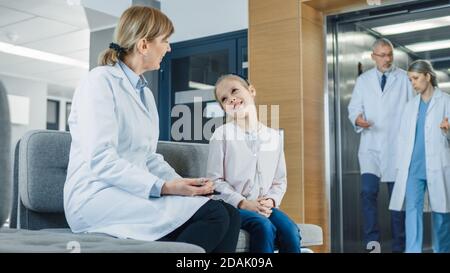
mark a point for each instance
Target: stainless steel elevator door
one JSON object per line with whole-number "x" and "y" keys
{"x": 349, "y": 47}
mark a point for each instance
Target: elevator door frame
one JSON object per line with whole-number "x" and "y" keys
{"x": 332, "y": 107}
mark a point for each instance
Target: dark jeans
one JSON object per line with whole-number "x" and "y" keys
{"x": 215, "y": 227}
{"x": 369, "y": 195}
{"x": 265, "y": 232}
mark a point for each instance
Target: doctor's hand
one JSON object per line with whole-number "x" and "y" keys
{"x": 445, "y": 125}
{"x": 188, "y": 187}
{"x": 361, "y": 122}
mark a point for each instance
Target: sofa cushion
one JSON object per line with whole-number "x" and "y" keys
{"x": 311, "y": 236}
{"x": 43, "y": 160}
{"x": 188, "y": 159}
{"x": 15, "y": 240}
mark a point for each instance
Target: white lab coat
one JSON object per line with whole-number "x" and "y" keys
{"x": 437, "y": 153}
{"x": 378, "y": 144}
{"x": 113, "y": 163}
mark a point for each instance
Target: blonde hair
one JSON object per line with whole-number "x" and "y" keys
{"x": 222, "y": 78}
{"x": 135, "y": 23}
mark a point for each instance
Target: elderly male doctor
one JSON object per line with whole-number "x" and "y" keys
{"x": 379, "y": 97}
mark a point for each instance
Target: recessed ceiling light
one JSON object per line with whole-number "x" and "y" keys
{"x": 429, "y": 46}
{"x": 40, "y": 55}
{"x": 73, "y": 2}
{"x": 413, "y": 26}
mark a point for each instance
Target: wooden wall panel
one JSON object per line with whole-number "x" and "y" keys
{"x": 274, "y": 55}
{"x": 267, "y": 11}
{"x": 312, "y": 42}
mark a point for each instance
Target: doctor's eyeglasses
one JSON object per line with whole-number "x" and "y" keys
{"x": 383, "y": 55}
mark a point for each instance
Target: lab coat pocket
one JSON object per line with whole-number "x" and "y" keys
{"x": 445, "y": 156}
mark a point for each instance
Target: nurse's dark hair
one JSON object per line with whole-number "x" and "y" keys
{"x": 424, "y": 67}
{"x": 382, "y": 41}
{"x": 233, "y": 76}
{"x": 135, "y": 23}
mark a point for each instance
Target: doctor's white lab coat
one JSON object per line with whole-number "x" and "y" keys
{"x": 437, "y": 153}
{"x": 113, "y": 163}
{"x": 383, "y": 109}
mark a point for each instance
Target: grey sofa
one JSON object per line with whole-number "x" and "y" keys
{"x": 41, "y": 159}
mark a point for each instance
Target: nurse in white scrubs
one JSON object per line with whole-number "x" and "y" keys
{"x": 424, "y": 160}
{"x": 379, "y": 97}
{"x": 116, "y": 182}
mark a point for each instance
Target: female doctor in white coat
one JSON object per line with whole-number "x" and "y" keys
{"x": 116, "y": 183}
{"x": 424, "y": 160}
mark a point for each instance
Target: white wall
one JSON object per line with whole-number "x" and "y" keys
{"x": 201, "y": 18}
{"x": 37, "y": 93}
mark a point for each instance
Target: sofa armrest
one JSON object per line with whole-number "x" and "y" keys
{"x": 312, "y": 235}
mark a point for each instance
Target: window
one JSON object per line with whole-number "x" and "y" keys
{"x": 187, "y": 78}
{"x": 68, "y": 107}
{"x": 52, "y": 114}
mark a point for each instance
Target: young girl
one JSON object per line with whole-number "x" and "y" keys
{"x": 424, "y": 160}
{"x": 246, "y": 162}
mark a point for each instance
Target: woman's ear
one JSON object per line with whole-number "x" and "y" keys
{"x": 428, "y": 76}
{"x": 142, "y": 46}
{"x": 252, "y": 90}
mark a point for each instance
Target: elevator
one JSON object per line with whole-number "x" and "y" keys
{"x": 349, "y": 39}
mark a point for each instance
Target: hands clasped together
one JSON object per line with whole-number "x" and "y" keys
{"x": 262, "y": 205}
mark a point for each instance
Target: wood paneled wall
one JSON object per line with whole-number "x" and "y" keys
{"x": 312, "y": 98}
{"x": 274, "y": 58}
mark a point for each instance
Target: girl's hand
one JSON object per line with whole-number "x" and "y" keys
{"x": 255, "y": 206}
{"x": 266, "y": 202}
{"x": 445, "y": 125}
{"x": 265, "y": 211}
{"x": 248, "y": 205}
{"x": 188, "y": 187}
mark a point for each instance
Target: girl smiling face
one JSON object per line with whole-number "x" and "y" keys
{"x": 235, "y": 96}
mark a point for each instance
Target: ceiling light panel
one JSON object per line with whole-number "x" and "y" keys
{"x": 413, "y": 26}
